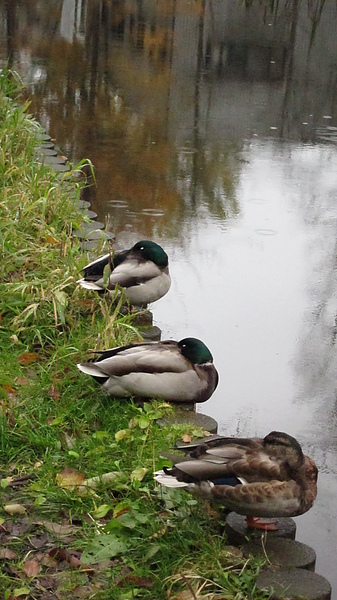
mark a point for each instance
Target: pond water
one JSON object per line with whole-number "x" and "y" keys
{"x": 213, "y": 131}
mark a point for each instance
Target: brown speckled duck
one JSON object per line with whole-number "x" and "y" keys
{"x": 256, "y": 477}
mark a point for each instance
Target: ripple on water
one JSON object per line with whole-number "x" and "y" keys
{"x": 153, "y": 212}
{"x": 265, "y": 231}
{"x": 118, "y": 203}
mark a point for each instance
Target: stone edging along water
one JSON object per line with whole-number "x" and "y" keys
{"x": 290, "y": 572}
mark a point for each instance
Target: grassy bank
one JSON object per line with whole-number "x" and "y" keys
{"x": 80, "y": 515}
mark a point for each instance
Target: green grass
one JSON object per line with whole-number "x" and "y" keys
{"x": 58, "y": 430}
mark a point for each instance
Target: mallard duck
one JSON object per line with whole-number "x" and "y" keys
{"x": 142, "y": 271}
{"x": 256, "y": 477}
{"x": 174, "y": 371}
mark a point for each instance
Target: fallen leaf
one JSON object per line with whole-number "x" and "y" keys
{"x": 69, "y": 478}
{"x": 48, "y": 561}
{"x": 15, "y": 509}
{"x": 22, "y": 381}
{"x": 186, "y": 438}
{"x": 138, "y": 474}
{"x": 27, "y": 358}
{"x": 101, "y": 511}
{"x": 53, "y": 393}
{"x": 6, "y": 553}
{"x": 10, "y": 391}
{"x": 23, "y": 591}
{"x": 57, "y": 528}
{"x": 120, "y": 435}
{"x": 31, "y": 568}
{"x": 63, "y": 554}
{"x": 142, "y": 582}
{"x": 52, "y": 241}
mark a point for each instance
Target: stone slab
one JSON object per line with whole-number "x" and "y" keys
{"x": 91, "y": 214}
{"x": 238, "y": 532}
{"x": 83, "y": 204}
{"x": 187, "y": 415}
{"x": 52, "y": 160}
{"x": 87, "y": 229}
{"x": 150, "y": 334}
{"x": 47, "y": 151}
{"x": 282, "y": 552}
{"x": 294, "y": 584}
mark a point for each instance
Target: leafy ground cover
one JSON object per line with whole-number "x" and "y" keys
{"x": 80, "y": 515}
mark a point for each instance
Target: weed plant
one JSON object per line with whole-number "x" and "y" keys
{"x": 80, "y": 515}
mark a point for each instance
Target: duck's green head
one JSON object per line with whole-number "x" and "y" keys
{"x": 152, "y": 251}
{"x": 195, "y": 350}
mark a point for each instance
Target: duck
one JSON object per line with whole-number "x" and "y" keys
{"x": 178, "y": 372}
{"x": 255, "y": 477}
{"x": 142, "y": 271}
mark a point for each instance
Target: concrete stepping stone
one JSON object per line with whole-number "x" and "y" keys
{"x": 187, "y": 415}
{"x": 150, "y": 334}
{"x": 282, "y": 552}
{"x": 238, "y": 532}
{"x": 42, "y": 135}
{"x": 47, "y": 151}
{"x": 83, "y": 204}
{"x": 90, "y": 214}
{"x": 87, "y": 229}
{"x": 293, "y": 584}
{"x": 52, "y": 160}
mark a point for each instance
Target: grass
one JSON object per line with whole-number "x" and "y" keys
{"x": 80, "y": 514}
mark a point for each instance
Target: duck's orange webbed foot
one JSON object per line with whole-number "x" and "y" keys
{"x": 257, "y": 523}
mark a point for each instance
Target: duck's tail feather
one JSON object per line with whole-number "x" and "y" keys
{"x": 168, "y": 480}
{"x": 89, "y": 285}
{"x": 91, "y": 369}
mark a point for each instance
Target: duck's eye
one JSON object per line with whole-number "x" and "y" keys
{"x": 141, "y": 248}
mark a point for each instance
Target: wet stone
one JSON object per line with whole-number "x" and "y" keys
{"x": 61, "y": 168}
{"x": 47, "y": 151}
{"x": 53, "y": 160}
{"x": 47, "y": 145}
{"x": 238, "y": 532}
{"x": 83, "y": 204}
{"x": 143, "y": 318}
{"x": 186, "y": 414}
{"x": 282, "y": 552}
{"x": 42, "y": 135}
{"x": 294, "y": 584}
{"x": 87, "y": 229}
{"x": 150, "y": 334}
{"x": 90, "y": 214}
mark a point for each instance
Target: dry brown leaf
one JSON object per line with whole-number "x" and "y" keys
{"x": 69, "y": 478}
{"x": 186, "y": 438}
{"x": 52, "y": 241}
{"x": 48, "y": 561}
{"x": 63, "y": 554}
{"x": 31, "y": 568}
{"x": 57, "y": 528}
{"x": 10, "y": 391}
{"x": 53, "y": 393}
{"x": 22, "y": 381}
{"x": 15, "y": 509}
{"x": 27, "y": 358}
{"x": 7, "y": 553}
{"x": 139, "y": 582}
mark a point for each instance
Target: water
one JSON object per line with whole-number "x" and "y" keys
{"x": 213, "y": 131}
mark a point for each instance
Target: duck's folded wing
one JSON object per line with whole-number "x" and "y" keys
{"x": 162, "y": 357}
{"x": 95, "y": 269}
{"x": 232, "y": 460}
{"x": 273, "y": 498}
{"x": 132, "y": 272}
